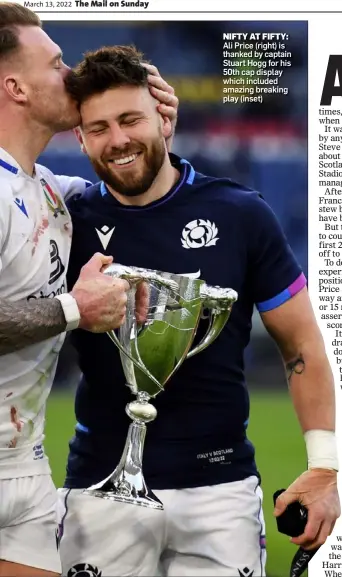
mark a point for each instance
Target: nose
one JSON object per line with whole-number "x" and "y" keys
{"x": 118, "y": 137}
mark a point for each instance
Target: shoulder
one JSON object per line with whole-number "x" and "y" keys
{"x": 228, "y": 191}
{"x": 47, "y": 175}
{"x": 66, "y": 186}
{"x": 90, "y": 195}
{"x": 238, "y": 205}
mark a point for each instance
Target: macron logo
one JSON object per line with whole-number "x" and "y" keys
{"x": 20, "y": 204}
{"x": 105, "y": 234}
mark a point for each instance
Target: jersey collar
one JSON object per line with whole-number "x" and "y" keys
{"x": 8, "y": 163}
{"x": 9, "y": 166}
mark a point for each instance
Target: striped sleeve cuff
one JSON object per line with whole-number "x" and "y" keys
{"x": 282, "y": 297}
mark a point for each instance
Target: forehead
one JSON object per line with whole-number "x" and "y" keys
{"x": 36, "y": 43}
{"x": 115, "y": 102}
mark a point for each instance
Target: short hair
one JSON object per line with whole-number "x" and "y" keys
{"x": 12, "y": 17}
{"x": 105, "y": 68}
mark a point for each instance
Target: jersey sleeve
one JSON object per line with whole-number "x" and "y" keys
{"x": 68, "y": 186}
{"x": 276, "y": 275}
{"x": 71, "y": 185}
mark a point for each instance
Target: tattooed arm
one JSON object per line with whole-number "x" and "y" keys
{"x": 311, "y": 384}
{"x": 293, "y": 326}
{"x": 24, "y": 323}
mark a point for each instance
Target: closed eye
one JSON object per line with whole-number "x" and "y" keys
{"x": 131, "y": 121}
{"x": 97, "y": 130}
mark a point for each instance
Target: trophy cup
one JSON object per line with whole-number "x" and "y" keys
{"x": 150, "y": 354}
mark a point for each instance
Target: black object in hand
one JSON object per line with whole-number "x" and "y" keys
{"x": 292, "y": 523}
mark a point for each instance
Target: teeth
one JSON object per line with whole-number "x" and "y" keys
{"x": 125, "y": 160}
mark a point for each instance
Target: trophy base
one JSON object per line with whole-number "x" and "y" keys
{"x": 127, "y": 484}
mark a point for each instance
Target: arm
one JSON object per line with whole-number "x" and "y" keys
{"x": 26, "y": 323}
{"x": 293, "y": 327}
{"x": 278, "y": 289}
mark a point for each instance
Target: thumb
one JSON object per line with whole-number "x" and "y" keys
{"x": 282, "y": 502}
{"x": 97, "y": 262}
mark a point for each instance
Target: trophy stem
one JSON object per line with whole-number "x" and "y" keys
{"x": 127, "y": 484}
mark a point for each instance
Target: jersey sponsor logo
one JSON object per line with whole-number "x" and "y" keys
{"x": 84, "y": 570}
{"x": 199, "y": 233}
{"x": 105, "y": 234}
{"x": 20, "y": 204}
{"x": 51, "y": 295}
{"x": 58, "y": 269}
{"x": 53, "y": 201}
{"x": 56, "y": 262}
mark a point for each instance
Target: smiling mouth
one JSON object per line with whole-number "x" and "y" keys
{"x": 124, "y": 161}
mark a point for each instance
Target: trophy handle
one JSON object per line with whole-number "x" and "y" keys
{"x": 136, "y": 275}
{"x": 220, "y": 302}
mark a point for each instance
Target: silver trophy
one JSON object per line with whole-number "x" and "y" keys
{"x": 150, "y": 353}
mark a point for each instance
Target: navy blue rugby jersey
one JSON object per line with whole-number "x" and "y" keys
{"x": 227, "y": 235}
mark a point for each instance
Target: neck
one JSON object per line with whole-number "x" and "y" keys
{"x": 164, "y": 181}
{"x": 23, "y": 139}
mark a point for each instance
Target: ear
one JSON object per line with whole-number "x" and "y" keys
{"x": 166, "y": 127}
{"x": 15, "y": 89}
{"x": 79, "y": 136}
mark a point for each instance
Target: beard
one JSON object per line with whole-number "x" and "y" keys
{"x": 138, "y": 180}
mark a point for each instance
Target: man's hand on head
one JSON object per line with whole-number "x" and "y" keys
{"x": 165, "y": 94}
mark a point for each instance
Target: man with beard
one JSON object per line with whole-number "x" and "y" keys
{"x": 35, "y": 309}
{"x": 148, "y": 208}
